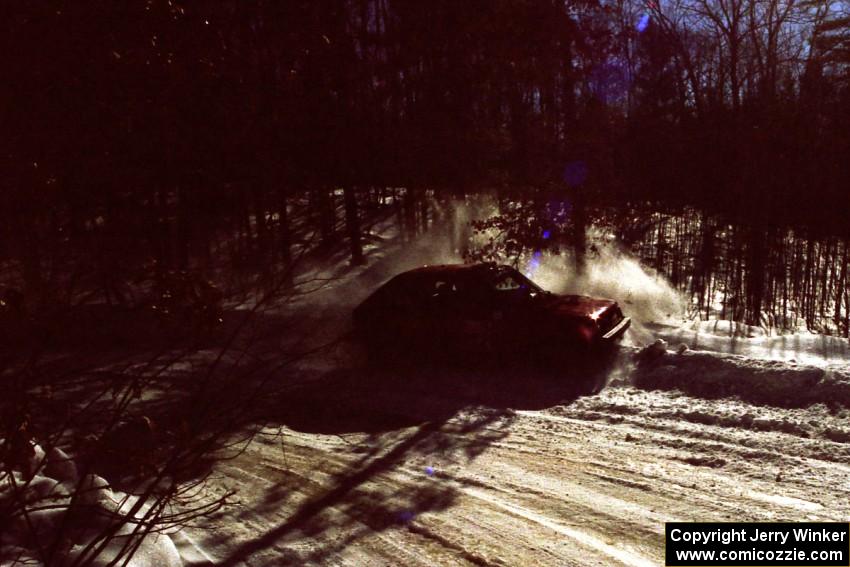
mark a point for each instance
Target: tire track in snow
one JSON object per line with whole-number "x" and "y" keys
{"x": 517, "y": 501}
{"x": 584, "y": 538}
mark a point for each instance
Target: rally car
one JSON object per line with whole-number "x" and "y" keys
{"x": 484, "y": 310}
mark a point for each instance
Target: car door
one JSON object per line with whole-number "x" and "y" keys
{"x": 513, "y": 314}
{"x": 399, "y": 308}
{"x": 468, "y": 317}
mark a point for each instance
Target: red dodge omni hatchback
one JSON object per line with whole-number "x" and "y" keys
{"x": 483, "y": 309}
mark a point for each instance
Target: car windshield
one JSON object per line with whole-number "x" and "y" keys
{"x": 510, "y": 280}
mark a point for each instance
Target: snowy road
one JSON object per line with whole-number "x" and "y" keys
{"x": 450, "y": 467}
{"x": 456, "y": 471}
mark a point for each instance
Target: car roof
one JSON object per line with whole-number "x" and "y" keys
{"x": 455, "y": 269}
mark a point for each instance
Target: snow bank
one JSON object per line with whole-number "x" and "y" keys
{"x": 723, "y": 328}
{"x": 37, "y": 495}
{"x": 714, "y": 375}
{"x": 752, "y": 342}
{"x": 727, "y": 420}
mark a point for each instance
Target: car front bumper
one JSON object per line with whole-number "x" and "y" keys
{"x": 617, "y": 330}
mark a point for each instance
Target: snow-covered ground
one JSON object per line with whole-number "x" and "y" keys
{"x": 454, "y": 467}
{"x": 50, "y": 498}
{"x": 442, "y": 466}
{"x": 753, "y": 342}
{"x": 457, "y": 476}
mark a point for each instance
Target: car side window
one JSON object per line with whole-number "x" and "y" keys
{"x": 507, "y": 283}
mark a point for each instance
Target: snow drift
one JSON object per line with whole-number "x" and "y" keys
{"x": 45, "y": 497}
{"x": 770, "y": 382}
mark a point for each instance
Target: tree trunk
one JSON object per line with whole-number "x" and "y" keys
{"x": 260, "y": 220}
{"x": 839, "y": 292}
{"x": 283, "y": 230}
{"x": 352, "y": 224}
{"x": 410, "y": 213}
{"x": 580, "y": 234}
{"x": 183, "y": 228}
{"x": 327, "y": 216}
{"x": 755, "y": 275}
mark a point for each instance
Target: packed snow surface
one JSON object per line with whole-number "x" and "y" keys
{"x": 457, "y": 466}
{"x": 459, "y": 473}
{"x": 446, "y": 466}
